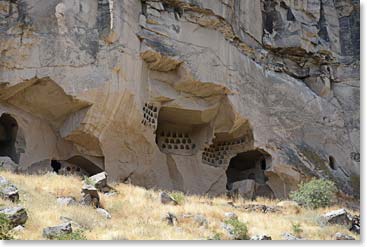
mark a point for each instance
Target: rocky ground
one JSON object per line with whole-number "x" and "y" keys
{"x": 51, "y": 204}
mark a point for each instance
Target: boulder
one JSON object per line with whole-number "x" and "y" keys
{"x": 201, "y": 220}
{"x": 171, "y": 219}
{"x": 18, "y": 228}
{"x": 244, "y": 188}
{"x": 8, "y": 191}
{"x": 66, "y": 200}
{"x": 56, "y": 231}
{"x": 8, "y": 164}
{"x": 260, "y": 237}
{"x": 104, "y": 213}
{"x": 342, "y": 236}
{"x": 355, "y": 225}
{"x": 99, "y": 180}
{"x": 167, "y": 199}
{"x": 16, "y": 215}
{"x": 229, "y": 230}
{"x": 230, "y": 215}
{"x": 340, "y": 217}
{"x": 90, "y": 196}
{"x": 288, "y": 236}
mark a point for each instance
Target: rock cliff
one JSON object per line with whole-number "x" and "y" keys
{"x": 189, "y": 95}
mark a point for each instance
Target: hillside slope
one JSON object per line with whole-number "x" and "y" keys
{"x": 138, "y": 214}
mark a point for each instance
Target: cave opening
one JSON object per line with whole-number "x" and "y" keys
{"x": 8, "y": 137}
{"x": 80, "y": 165}
{"x": 248, "y": 165}
{"x": 56, "y": 166}
{"x": 332, "y": 163}
{"x": 181, "y": 131}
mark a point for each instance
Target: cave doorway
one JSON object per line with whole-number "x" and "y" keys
{"x": 8, "y": 137}
{"x": 56, "y": 166}
{"x": 79, "y": 165}
{"x": 250, "y": 165}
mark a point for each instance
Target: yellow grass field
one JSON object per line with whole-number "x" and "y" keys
{"x": 137, "y": 213}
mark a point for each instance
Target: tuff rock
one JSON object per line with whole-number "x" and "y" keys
{"x": 8, "y": 191}
{"x": 175, "y": 94}
{"x": 15, "y": 215}
{"x": 339, "y": 216}
{"x": 56, "y": 231}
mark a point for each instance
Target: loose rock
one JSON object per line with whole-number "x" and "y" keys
{"x": 355, "y": 224}
{"x": 288, "y": 236}
{"x": 261, "y": 237}
{"x": 342, "y": 236}
{"x": 230, "y": 215}
{"x": 56, "y": 231}
{"x": 340, "y": 217}
{"x": 16, "y": 215}
{"x": 66, "y": 201}
{"x": 99, "y": 180}
{"x": 8, "y": 191}
{"x": 90, "y": 196}
{"x": 7, "y": 164}
{"x": 167, "y": 199}
{"x": 171, "y": 219}
{"x": 18, "y": 228}
{"x": 201, "y": 220}
{"x": 104, "y": 213}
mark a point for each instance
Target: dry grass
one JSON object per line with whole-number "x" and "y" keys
{"x": 137, "y": 213}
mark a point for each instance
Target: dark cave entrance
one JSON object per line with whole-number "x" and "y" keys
{"x": 79, "y": 164}
{"x": 248, "y": 165}
{"x": 8, "y": 137}
{"x": 56, "y": 166}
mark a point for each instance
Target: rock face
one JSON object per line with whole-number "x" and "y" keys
{"x": 183, "y": 95}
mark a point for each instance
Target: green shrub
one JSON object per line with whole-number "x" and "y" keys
{"x": 179, "y": 197}
{"x": 89, "y": 181}
{"x": 77, "y": 235}
{"x": 216, "y": 236}
{"x": 240, "y": 231}
{"x": 315, "y": 193}
{"x": 5, "y": 228}
{"x": 296, "y": 229}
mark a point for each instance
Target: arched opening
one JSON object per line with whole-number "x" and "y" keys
{"x": 181, "y": 131}
{"x": 332, "y": 163}
{"x": 56, "y": 166}
{"x": 250, "y": 166}
{"x": 8, "y": 137}
{"x": 79, "y": 165}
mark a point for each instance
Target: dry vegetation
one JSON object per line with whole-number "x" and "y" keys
{"x": 137, "y": 213}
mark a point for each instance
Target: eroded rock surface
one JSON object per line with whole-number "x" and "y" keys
{"x": 175, "y": 94}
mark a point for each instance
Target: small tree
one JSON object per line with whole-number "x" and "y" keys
{"x": 315, "y": 193}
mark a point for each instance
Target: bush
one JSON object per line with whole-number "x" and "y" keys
{"x": 315, "y": 193}
{"x": 89, "y": 181}
{"x": 296, "y": 229}
{"x": 5, "y": 228}
{"x": 77, "y": 235}
{"x": 216, "y": 236}
{"x": 179, "y": 197}
{"x": 240, "y": 231}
